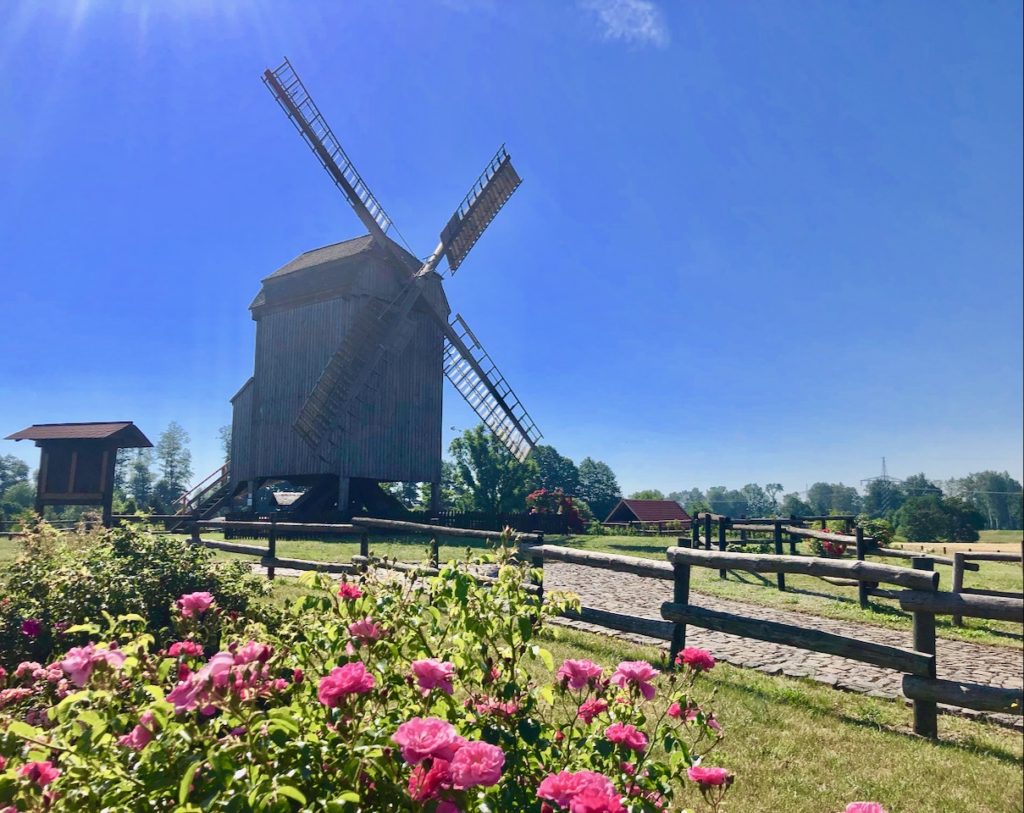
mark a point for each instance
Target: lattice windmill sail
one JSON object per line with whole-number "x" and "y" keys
{"x": 380, "y": 330}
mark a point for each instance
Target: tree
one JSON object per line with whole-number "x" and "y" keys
{"x": 175, "y": 459}
{"x": 598, "y": 487}
{"x": 692, "y": 501}
{"x": 729, "y": 502}
{"x": 496, "y": 481}
{"x": 122, "y": 471}
{"x": 996, "y": 495}
{"x": 224, "y": 433}
{"x": 18, "y": 497}
{"x": 647, "y": 494}
{"x": 774, "y": 490}
{"x": 792, "y": 505}
{"x": 140, "y": 478}
{"x": 819, "y": 497}
{"x": 922, "y": 519}
{"x": 555, "y": 470}
{"x": 883, "y": 498}
{"x": 758, "y": 502}
{"x": 963, "y": 520}
{"x": 12, "y": 470}
{"x": 917, "y": 485}
{"x": 845, "y": 499}
{"x": 408, "y": 494}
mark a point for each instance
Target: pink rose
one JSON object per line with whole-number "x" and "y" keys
{"x": 477, "y": 764}
{"x": 709, "y": 777}
{"x": 352, "y": 678}
{"x": 626, "y": 735}
{"x": 589, "y": 709}
{"x": 638, "y": 674}
{"x": 593, "y": 800}
{"x": 349, "y": 591}
{"x": 253, "y": 652}
{"x": 42, "y": 773}
{"x": 365, "y": 631}
{"x": 561, "y": 788}
{"x": 31, "y": 627}
{"x": 433, "y": 674}
{"x": 427, "y": 737}
{"x": 78, "y": 664}
{"x": 425, "y": 784}
{"x": 864, "y": 807}
{"x": 576, "y": 674}
{"x": 699, "y": 660}
{"x": 140, "y": 736}
{"x": 26, "y": 669}
{"x": 185, "y": 695}
{"x": 195, "y": 604}
{"x": 189, "y": 648}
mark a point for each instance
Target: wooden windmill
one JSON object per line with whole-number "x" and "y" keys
{"x": 353, "y": 341}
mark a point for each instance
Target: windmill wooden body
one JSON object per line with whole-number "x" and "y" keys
{"x": 353, "y": 341}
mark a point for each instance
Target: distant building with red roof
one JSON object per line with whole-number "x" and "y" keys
{"x": 653, "y": 511}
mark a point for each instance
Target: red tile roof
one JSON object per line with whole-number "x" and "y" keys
{"x": 653, "y": 510}
{"x": 124, "y": 431}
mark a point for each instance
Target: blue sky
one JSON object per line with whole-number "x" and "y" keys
{"x": 755, "y": 241}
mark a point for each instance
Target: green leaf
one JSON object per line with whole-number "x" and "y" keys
{"x": 186, "y": 781}
{"x": 291, "y": 793}
{"x": 545, "y": 656}
{"x": 20, "y": 729}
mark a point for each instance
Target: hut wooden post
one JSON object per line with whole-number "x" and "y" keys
{"x": 707, "y": 531}
{"x": 780, "y": 578}
{"x": 695, "y": 531}
{"x": 196, "y": 539}
{"x": 435, "y": 548}
{"x": 680, "y": 595}
{"x": 271, "y": 547}
{"x": 862, "y": 587}
{"x": 721, "y": 543}
{"x": 958, "y": 582}
{"x": 364, "y": 545}
{"x": 925, "y": 711}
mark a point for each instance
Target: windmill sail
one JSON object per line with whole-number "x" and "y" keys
{"x": 486, "y": 197}
{"x": 477, "y": 378}
{"x": 300, "y": 108}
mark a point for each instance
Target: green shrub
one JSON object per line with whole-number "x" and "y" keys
{"x": 64, "y": 579}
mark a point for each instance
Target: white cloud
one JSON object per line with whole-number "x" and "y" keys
{"x": 637, "y": 22}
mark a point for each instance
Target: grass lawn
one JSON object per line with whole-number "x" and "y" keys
{"x": 799, "y": 747}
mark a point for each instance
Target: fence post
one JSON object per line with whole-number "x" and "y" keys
{"x": 793, "y": 539}
{"x": 196, "y": 539}
{"x": 707, "y": 531}
{"x": 271, "y": 547}
{"x": 721, "y": 543}
{"x": 926, "y": 722}
{"x": 537, "y": 563}
{"x": 695, "y": 532}
{"x": 680, "y": 595}
{"x": 862, "y": 586}
{"x": 364, "y": 545}
{"x": 958, "y": 583}
{"x": 780, "y": 578}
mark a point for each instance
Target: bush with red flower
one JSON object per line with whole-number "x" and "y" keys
{"x": 378, "y": 694}
{"x": 556, "y": 501}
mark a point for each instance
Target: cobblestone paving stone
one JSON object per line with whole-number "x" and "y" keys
{"x": 643, "y": 597}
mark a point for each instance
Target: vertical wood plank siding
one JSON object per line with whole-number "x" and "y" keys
{"x": 394, "y": 432}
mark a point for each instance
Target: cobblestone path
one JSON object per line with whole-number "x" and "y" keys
{"x": 643, "y": 597}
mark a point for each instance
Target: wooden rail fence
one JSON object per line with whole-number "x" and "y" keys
{"x": 919, "y": 595}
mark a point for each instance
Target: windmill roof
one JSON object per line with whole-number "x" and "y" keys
{"x": 344, "y": 250}
{"x": 125, "y": 432}
{"x": 653, "y": 510}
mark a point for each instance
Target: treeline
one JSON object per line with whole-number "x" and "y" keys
{"x": 919, "y": 509}
{"x": 144, "y": 479}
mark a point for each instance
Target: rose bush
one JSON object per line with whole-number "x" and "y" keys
{"x": 63, "y": 579}
{"x": 421, "y": 693}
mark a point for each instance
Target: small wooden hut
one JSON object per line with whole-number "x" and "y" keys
{"x": 76, "y": 465}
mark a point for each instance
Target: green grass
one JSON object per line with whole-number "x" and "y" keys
{"x": 1001, "y": 537}
{"x": 800, "y": 747}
